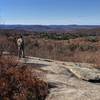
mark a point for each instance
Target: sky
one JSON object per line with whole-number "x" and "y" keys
{"x": 50, "y": 12}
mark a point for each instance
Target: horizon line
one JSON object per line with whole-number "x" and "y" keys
{"x": 55, "y": 24}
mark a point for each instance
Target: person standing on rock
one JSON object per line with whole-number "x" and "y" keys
{"x": 20, "y": 44}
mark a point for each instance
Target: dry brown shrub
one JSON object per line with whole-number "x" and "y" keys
{"x": 18, "y": 83}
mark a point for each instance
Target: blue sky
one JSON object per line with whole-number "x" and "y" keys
{"x": 47, "y": 12}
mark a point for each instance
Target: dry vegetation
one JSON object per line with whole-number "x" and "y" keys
{"x": 84, "y": 49}
{"x": 18, "y": 83}
{"x": 82, "y": 46}
{"x": 21, "y": 82}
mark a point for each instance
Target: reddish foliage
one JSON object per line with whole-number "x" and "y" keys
{"x": 18, "y": 83}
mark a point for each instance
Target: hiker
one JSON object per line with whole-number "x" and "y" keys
{"x": 20, "y": 44}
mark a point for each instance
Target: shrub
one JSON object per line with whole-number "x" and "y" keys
{"x": 73, "y": 47}
{"x": 87, "y": 47}
{"x": 18, "y": 83}
{"x": 92, "y": 39}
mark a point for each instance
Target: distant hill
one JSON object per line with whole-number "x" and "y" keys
{"x": 49, "y": 28}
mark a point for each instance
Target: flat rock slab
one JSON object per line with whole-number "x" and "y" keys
{"x": 84, "y": 71}
{"x": 61, "y": 76}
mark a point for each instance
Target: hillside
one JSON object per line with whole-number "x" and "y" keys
{"x": 72, "y": 48}
{"x": 72, "y": 74}
{"x": 49, "y": 28}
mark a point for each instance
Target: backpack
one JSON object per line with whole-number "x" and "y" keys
{"x": 19, "y": 41}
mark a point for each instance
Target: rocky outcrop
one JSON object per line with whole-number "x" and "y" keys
{"x": 66, "y": 79}
{"x": 84, "y": 71}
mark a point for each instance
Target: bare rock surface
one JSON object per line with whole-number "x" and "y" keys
{"x": 66, "y": 79}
